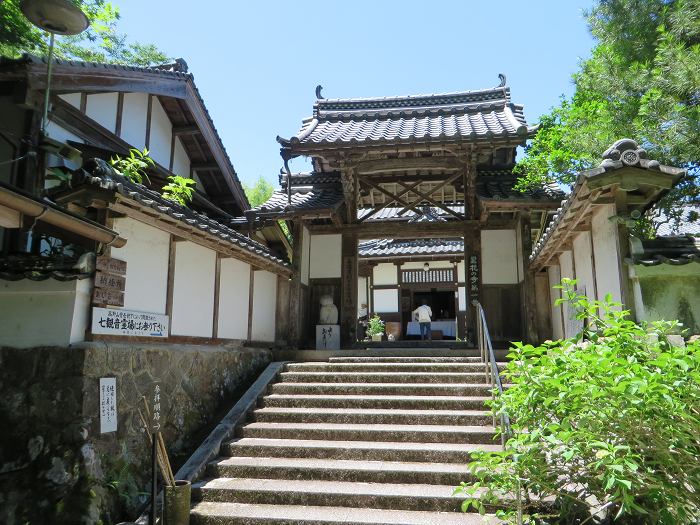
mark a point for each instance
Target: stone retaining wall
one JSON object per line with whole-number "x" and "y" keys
{"x": 56, "y": 467}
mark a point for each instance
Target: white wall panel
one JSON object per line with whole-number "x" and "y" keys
{"x": 386, "y": 301}
{"x": 193, "y": 293}
{"x": 305, "y": 255}
{"x": 461, "y": 276}
{"x": 72, "y": 98}
{"x": 102, "y": 108}
{"x": 325, "y": 256}
{"x": 146, "y": 253}
{"x": 82, "y": 310}
{"x": 499, "y": 257}
{"x": 234, "y": 290}
{"x": 56, "y": 132}
{"x": 605, "y": 249}
{"x": 553, "y": 274}
{"x": 566, "y": 265}
{"x": 361, "y": 294}
{"x": 462, "y": 296}
{"x": 134, "y": 115}
{"x": 181, "y": 162}
{"x": 161, "y": 134}
{"x": 264, "y": 306}
{"x": 384, "y": 273}
{"x": 584, "y": 264}
{"x": 418, "y": 265}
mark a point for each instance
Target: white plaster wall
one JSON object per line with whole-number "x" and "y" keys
{"x": 584, "y": 264}
{"x": 325, "y": 256}
{"x": 518, "y": 254}
{"x": 181, "y": 162}
{"x": 161, "y": 134}
{"x": 499, "y": 257}
{"x": 193, "y": 292}
{"x": 234, "y": 291}
{"x": 102, "y": 108}
{"x": 553, "y": 274}
{"x": 384, "y": 273}
{"x": 72, "y": 98}
{"x": 462, "y": 296}
{"x": 607, "y": 269}
{"x": 264, "y": 306}
{"x": 566, "y": 265}
{"x": 361, "y": 293}
{"x": 566, "y": 268}
{"x": 418, "y": 265}
{"x": 56, "y": 132}
{"x": 305, "y": 255}
{"x": 134, "y": 113}
{"x": 461, "y": 276}
{"x": 386, "y": 301}
{"x": 41, "y": 313}
{"x": 82, "y": 310}
{"x": 147, "y": 253}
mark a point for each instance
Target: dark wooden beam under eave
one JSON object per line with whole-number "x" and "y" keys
{"x": 186, "y": 130}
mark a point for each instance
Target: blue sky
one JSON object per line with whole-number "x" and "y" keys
{"x": 257, "y": 63}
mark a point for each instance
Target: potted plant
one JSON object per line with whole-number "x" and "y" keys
{"x": 375, "y": 328}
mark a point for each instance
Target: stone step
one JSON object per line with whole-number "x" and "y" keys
{"x": 382, "y": 377}
{"x": 340, "y": 470}
{"x": 413, "y": 389}
{"x": 350, "y": 432}
{"x": 357, "y": 450}
{"x": 408, "y": 359}
{"x": 216, "y": 513}
{"x": 386, "y": 367}
{"x": 375, "y": 416}
{"x": 358, "y": 401}
{"x": 329, "y": 493}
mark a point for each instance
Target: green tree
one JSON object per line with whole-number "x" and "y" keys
{"x": 642, "y": 81}
{"x": 259, "y": 192}
{"x": 101, "y": 42}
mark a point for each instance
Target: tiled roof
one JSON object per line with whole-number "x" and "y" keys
{"x": 389, "y": 213}
{"x": 500, "y": 186}
{"x": 674, "y": 250}
{"x": 466, "y": 116}
{"x": 303, "y": 200}
{"x": 395, "y": 247}
{"x": 311, "y": 179}
{"x": 101, "y": 174}
{"x": 687, "y": 223}
{"x": 622, "y": 154}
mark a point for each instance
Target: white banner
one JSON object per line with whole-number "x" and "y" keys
{"x": 108, "y": 404}
{"x": 112, "y": 321}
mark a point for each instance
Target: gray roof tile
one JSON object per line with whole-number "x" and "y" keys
{"x": 400, "y": 247}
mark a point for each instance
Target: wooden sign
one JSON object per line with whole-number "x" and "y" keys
{"x": 108, "y": 280}
{"x": 108, "y": 296}
{"x": 109, "y": 265}
{"x": 108, "y": 404}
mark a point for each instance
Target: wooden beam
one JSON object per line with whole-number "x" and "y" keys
{"x": 370, "y": 167}
{"x": 186, "y": 130}
{"x": 251, "y": 292}
{"x": 205, "y": 166}
{"x": 149, "y": 115}
{"x": 411, "y": 230}
{"x": 171, "y": 284}
{"x": 390, "y": 195}
{"x": 217, "y": 285}
{"x": 120, "y": 114}
{"x": 380, "y": 207}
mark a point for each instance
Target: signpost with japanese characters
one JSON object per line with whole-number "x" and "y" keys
{"x": 108, "y": 404}
{"x": 110, "y": 282}
{"x": 112, "y": 321}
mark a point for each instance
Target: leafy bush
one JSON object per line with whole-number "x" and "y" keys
{"x": 134, "y": 166}
{"x": 179, "y": 189}
{"x": 606, "y": 425}
{"x": 375, "y": 326}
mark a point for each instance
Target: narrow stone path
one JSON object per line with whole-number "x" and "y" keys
{"x": 355, "y": 440}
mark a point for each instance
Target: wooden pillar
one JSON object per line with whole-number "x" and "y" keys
{"x": 251, "y": 293}
{"x": 294, "y": 310}
{"x": 348, "y": 295}
{"x": 528, "y": 299}
{"x": 171, "y": 283}
{"x": 472, "y": 262}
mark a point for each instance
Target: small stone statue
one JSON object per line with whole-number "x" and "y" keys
{"x": 329, "y": 312}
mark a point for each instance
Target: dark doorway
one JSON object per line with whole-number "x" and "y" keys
{"x": 441, "y": 303}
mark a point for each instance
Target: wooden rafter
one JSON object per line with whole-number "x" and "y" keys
{"x": 434, "y": 190}
{"x": 380, "y": 207}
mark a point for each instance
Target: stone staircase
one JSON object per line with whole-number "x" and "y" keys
{"x": 355, "y": 440}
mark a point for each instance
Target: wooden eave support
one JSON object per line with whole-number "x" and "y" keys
{"x": 407, "y": 230}
{"x": 371, "y": 167}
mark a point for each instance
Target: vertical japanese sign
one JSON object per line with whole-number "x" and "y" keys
{"x": 108, "y": 404}
{"x": 157, "y": 405}
{"x": 473, "y": 278}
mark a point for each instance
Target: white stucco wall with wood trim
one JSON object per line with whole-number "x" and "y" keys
{"x": 134, "y": 113}
{"x": 384, "y": 274}
{"x": 361, "y": 294}
{"x": 161, "y": 134}
{"x": 181, "y": 162}
{"x": 499, "y": 257}
{"x": 44, "y": 313}
{"x": 264, "y": 306}
{"x": 234, "y": 292}
{"x": 72, "y": 98}
{"x": 305, "y": 255}
{"x": 325, "y": 256}
{"x": 102, "y": 108}
{"x": 584, "y": 264}
{"x": 386, "y": 301}
{"x": 146, "y": 252}
{"x": 419, "y": 265}
{"x": 553, "y": 274}
{"x": 461, "y": 275}
{"x": 607, "y": 269}
{"x": 193, "y": 290}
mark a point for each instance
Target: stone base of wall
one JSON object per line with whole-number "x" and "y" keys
{"x": 56, "y": 467}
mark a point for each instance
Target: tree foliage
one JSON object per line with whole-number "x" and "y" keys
{"x": 606, "y": 424}
{"x": 101, "y": 42}
{"x": 642, "y": 81}
{"x": 259, "y": 192}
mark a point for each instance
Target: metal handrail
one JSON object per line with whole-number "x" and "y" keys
{"x": 488, "y": 358}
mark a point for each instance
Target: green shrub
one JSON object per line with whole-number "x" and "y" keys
{"x": 179, "y": 189}
{"x": 375, "y": 325}
{"x": 606, "y": 425}
{"x": 134, "y": 166}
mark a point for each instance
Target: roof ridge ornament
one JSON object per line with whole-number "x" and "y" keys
{"x": 502, "y": 78}
{"x": 626, "y": 152}
{"x": 319, "y": 96}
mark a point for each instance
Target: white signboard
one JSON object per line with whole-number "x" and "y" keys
{"x": 108, "y": 404}
{"x": 113, "y": 321}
